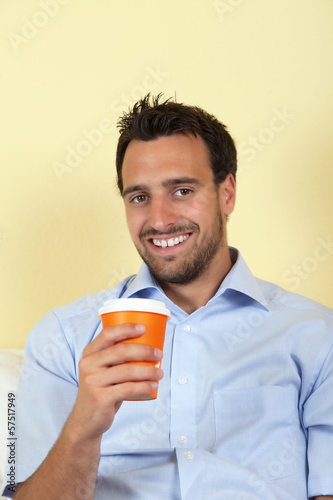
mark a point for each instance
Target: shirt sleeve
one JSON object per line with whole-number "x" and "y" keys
{"x": 318, "y": 420}
{"x": 46, "y": 394}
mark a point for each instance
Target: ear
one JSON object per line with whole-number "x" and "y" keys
{"x": 227, "y": 192}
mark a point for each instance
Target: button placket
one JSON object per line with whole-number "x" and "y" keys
{"x": 182, "y": 424}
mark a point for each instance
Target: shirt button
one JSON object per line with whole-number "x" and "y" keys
{"x": 189, "y": 455}
{"x": 182, "y": 439}
{"x": 182, "y": 380}
{"x": 187, "y": 328}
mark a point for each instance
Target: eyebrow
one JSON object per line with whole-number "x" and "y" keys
{"x": 169, "y": 182}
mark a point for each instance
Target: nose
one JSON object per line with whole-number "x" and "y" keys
{"x": 162, "y": 213}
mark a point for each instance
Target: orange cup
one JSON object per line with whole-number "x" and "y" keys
{"x": 151, "y": 313}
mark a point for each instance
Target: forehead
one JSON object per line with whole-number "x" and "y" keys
{"x": 180, "y": 155}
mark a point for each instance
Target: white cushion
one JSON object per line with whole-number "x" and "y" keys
{"x": 10, "y": 365}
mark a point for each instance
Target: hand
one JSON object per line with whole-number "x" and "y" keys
{"x": 106, "y": 378}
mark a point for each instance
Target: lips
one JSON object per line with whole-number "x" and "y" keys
{"x": 170, "y": 242}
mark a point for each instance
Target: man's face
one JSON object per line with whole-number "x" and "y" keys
{"x": 173, "y": 207}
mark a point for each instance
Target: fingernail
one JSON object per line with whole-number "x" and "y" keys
{"x": 158, "y": 353}
{"x": 140, "y": 328}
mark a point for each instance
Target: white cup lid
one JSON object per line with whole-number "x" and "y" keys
{"x": 147, "y": 305}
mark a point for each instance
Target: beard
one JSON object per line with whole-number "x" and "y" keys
{"x": 183, "y": 270}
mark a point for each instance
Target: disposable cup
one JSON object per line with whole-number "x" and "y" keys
{"x": 151, "y": 313}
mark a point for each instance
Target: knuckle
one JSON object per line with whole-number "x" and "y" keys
{"x": 107, "y": 333}
{"x": 149, "y": 351}
{"x": 88, "y": 380}
{"x": 86, "y": 351}
{"x": 121, "y": 349}
{"x": 83, "y": 365}
{"x": 127, "y": 390}
{"x": 127, "y": 371}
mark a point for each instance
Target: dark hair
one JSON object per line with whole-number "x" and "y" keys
{"x": 149, "y": 120}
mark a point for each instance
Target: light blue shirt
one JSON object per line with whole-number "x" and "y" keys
{"x": 244, "y": 411}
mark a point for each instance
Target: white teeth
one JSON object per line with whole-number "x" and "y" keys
{"x": 171, "y": 241}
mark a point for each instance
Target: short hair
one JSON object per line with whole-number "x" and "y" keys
{"x": 150, "y": 119}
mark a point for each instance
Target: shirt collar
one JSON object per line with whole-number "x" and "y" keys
{"x": 239, "y": 279}
{"x": 143, "y": 281}
{"x": 242, "y": 280}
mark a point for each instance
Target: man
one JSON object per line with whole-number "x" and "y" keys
{"x": 245, "y": 406}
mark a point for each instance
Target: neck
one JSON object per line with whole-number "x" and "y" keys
{"x": 191, "y": 296}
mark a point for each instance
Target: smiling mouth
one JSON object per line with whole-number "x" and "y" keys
{"x": 170, "y": 242}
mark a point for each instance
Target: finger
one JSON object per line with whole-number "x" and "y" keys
{"x": 124, "y": 352}
{"x": 131, "y": 390}
{"x": 113, "y": 334}
{"x": 127, "y": 372}
{"x": 118, "y": 354}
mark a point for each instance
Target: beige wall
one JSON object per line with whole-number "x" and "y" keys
{"x": 264, "y": 67}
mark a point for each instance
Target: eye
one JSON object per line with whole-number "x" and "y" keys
{"x": 183, "y": 192}
{"x": 139, "y": 198}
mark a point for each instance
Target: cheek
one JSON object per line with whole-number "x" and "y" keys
{"x": 135, "y": 222}
{"x": 204, "y": 203}
{"x": 131, "y": 221}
